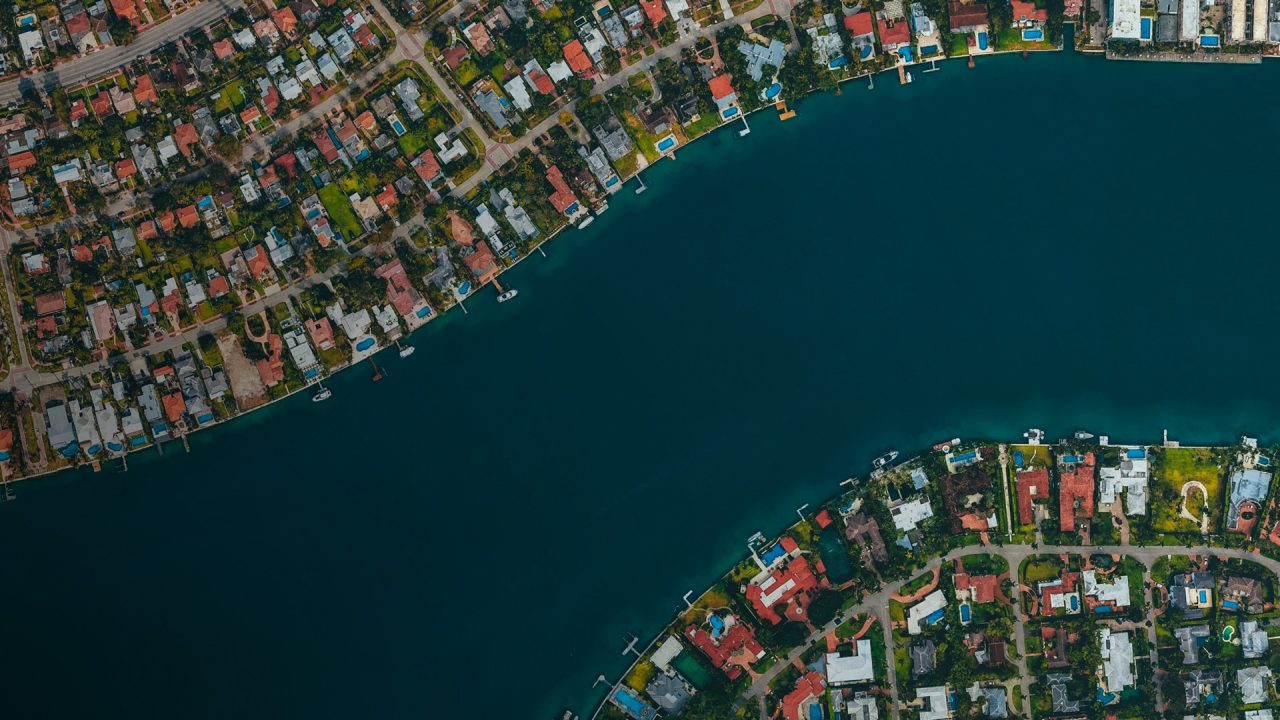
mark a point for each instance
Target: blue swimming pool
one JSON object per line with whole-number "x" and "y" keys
{"x": 633, "y": 705}
{"x": 93, "y": 449}
{"x": 838, "y": 61}
{"x": 365, "y": 344}
{"x": 772, "y": 91}
{"x": 717, "y": 625}
{"x": 866, "y": 51}
{"x": 397, "y": 126}
{"x": 928, "y": 50}
{"x": 964, "y": 457}
{"x": 1264, "y": 461}
{"x": 935, "y": 616}
{"x": 1136, "y": 453}
{"x": 1035, "y": 34}
{"x": 815, "y": 711}
{"x": 905, "y": 52}
{"x": 729, "y": 112}
{"x": 464, "y": 288}
{"x": 114, "y": 447}
{"x": 1074, "y": 603}
{"x": 772, "y": 554}
{"x": 666, "y": 143}
{"x": 1208, "y": 41}
{"x": 1146, "y": 28}
{"x": 1017, "y": 458}
{"x": 1105, "y": 697}
{"x": 982, "y": 41}
{"x": 1230, "y": 605}
{"x": 140, "y": 440}
{"x": 965, "y": 613}
{"x": 1072, "y": 459}
{"x": 423, "y": 312}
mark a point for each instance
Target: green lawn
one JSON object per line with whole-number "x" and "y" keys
{"x": 1033, "y": 456}
{"x": 1041, "y": 567}
{"x": 1174, "y": 468}
{"x": 959, "y": 46}
{"x": 412, "y": 142}
{"x": 340, "y": 211}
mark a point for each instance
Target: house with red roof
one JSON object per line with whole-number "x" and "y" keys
{"x": 126, "y": 169}
{"x": 320, "y": 332}
{"x": 271, "y": 368}
{"x": 454, "y": 55}
{"x": 127, "y": 10}
{"x": 978, "y": 589}
{"x": 184, "y": 136}
{"x": 366, "y": 122}
{"x": 654, "y": 10}
{"x": 1032, "y": 486}
{"x": 731, "y": 646}
{"x": 79, "y": 111}
{"x": 147, "y": 230}
{"x": 258, "y": 262}
{"x": 427, "y": 168}
{"x": 21, "y": 162}
{"x": 324, "y": 143}
{"x": 479, "y": 37}
{"x": 387, "y": 198}
{"x": 894, "y": 33}
{"x": 188, "y": 217}
{"x": 541, "y": 82}
{"x": 286, "y": 21}
{"x": 50, "y": 303}
{"x": 223, "y": 49}
{"x": 967, "y": 15}
{"x": 1026, "y": 13}
{"x": 218, "y": 286}
{"x": 1076, "y": 488}
{"x": 858, "y": 24}
{"x": 482, "y": 264}
{"x": 271, "y": 101}
{"x": 1060, "y": 594}
{"x": 174, "y": 406}
{"x": 144, "y": 90}
{"x": 460, "y": 230}
{"x": 785, "y": 588}
{"x": 250, "y": 115}
{"x": 579, "y": 62}
{"x": 102, "y": 105}
{"x": 799, "y": 704}
{"x": 563, "y": 199}
{"x": 401, "y": 294}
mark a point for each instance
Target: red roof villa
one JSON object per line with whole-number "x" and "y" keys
{"x": 783, "y": 588}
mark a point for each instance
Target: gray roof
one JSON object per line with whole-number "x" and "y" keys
{"x": 492, "y": 105}
{"x": 997, "y": 702}
{"x": 668, "y": 693}
{"x": 1189, "y": 641}
{"x": 1246, "y": 486}
{"x": 758, "y": 56}
{"x": 1062, "y": 703}
{"x": 58, "y": 423}
{"x": 923, "y": 658}
{"x": 1253, "y": 682}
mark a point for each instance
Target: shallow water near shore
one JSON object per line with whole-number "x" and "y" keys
{"x": 1057, "y": 241}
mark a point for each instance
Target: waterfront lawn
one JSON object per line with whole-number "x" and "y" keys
{"x": 959, "y": 46}
{"x": 1172, "y": 469}
{"x": 1033, "y": 456}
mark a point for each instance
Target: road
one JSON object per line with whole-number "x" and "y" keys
{"x": 103, "y": 61}
{"x": 1014, "y": 554}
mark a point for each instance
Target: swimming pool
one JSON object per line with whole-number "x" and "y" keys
{"x": 666, "y": 143}
{"x": 1017, "y": 458}
{"x": 729, "y": 112}
{"x": 772, "y": 554}
{"x": 1230, "y": 605}
{"x": 464, "y": 288}
{"x": 397, "y": 126}
{"x": 1227, "y": 632}
{"x": 928, "y": 50}
{"x": 1034, "y": 34}
{"x": 772, "y": 91}
{"x": 965, "y": 613}
{"x": 905, "y": 52}
{"x": 1074, "y": 603}
{"x": 866, "y": 51}
{"x": 982, "y": 41}
{"x": 1072, "y": 458}
{"x": 717, "y": 625}
{"x": 1136, "y": 453}
{"x": 114, "y": 447}
{"x": 1145, "y": 32}
{"x": 365, "y": 344}
{"x": 815, "y": 711}
{"x": 1208, "y": 41}
{"x": 1264, "y": 461}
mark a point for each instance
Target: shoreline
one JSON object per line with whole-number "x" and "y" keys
{"x": 856, "y": 486}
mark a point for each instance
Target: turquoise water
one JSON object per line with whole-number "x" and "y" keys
{"x": 981, "y": 251}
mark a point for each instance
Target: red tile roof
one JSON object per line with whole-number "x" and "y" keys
{"x": 541, "y": 82}
{"x": 460, "y": 230}
{"x": 982, "y": 587}
{"x": 1032, "y": 485}
{"x": 126, "y": 10}
{"x": 286, "y": 21}
{"x": 321, "y": 332}
{"x": 125, "y": 169}
{"x": 79, "y": 110}
{"x": 858, "y": 24}
{"x": 387, "y": 197}
{"x": 147, "y": 230}
{"x": 81, "y": 253}
{"x": 325, "y": 145}
{"x": 481, "y": 263}
{"x": 736, "y": 644}
{"x": 188, "y": 217}
{"x": 654, "y": 10}
{"x": 1068, "y": 586}
{"x": 223, "y": 49}
{"x": 427, "y": 167}
{"x": 250, "y": 115}
{"x": 809, "y": 686}
{"x": 1028, "y": 11}
{"x": 721, "y": 85}
{"x": 259, "y": 265}
{"x": 184, "y": 136}
{"x": 174, "y": 407}
{"x": 563, "y": 198}
{"x": 896, "y": 33}
{"x": 778, "y": 589}
{"x": 218, "y": 286}
{"x": 454, "y": 55}
{"x": 965, "y": 14}
{"x": 576, "y": 56}
{"x": 21, "y": 162}
{"x": 1075, "y": 497}
{"x": 102, "y": 104}
{"x": 50, "y": 303}
{"x": 144, "y": 90}
{"x": 366, "y": 122}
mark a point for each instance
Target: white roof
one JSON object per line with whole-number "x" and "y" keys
{"x": 851, "y": 669}
{"x": 1126, "y": 22}
{"x": 1116, "y": 591}
{"x": 1117, "y": 659}
{"x": 666, "y": 652}
{"x": 910, "y": 514}
{"x": 559, "y": 71}
{"x": 935, "y": 703}
{"x": 931, "y": 603}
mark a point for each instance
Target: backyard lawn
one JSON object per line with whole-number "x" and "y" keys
{"x": 1040, "y": 567}
{"x": 1033, "y": 456}
{"x": 340, "y": 211}
{"x": 1174, "y": 468}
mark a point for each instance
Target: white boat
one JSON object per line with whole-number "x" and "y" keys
{"x": 1083, "y": 435}
{"x": 884, "y": 459}
{"x": 405, "y": 350}
{"x": 508, "y": 295}
{"x": 1034, "y": 436}
{"x": 583, "y": 225}
{"x": 322, "y": 394}
{"x": 947, "y": 445}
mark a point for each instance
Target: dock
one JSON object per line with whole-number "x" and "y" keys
{"x": 783, "y": 112}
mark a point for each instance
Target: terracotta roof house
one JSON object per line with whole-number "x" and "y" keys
{"x": 321, "y": 332}
{"x": 79, "y": 111}
{"x": 799, "y": 704}
{"x": 563, "y": 199}
{"x": 460, "y": 230}
{"x": 387, "y": 197}
{"x": 144, "y": 89}
{"x": 480, "y": 38}
{"x": 147, "y": 230}
{"x": 579, "y": 62}
{"x": 102, "y": 104}
{"x": 967, "y": 15}
{"x": 894, "y": 33}
{"x": 21, "y": 162}
{"x": 1075, "y": 495}
{"x": 780, "y": 588}
{"x": 721, "y": 85}
{"x": 654, "y": 10}
{"x": 481, "y": 263}
{"x": 126, "y": 10}
{"x": 980, "y": 588}
{"x": 858, "y": 23}
{"x": 250, "y": 115}
{"x": 733, "y": 646}
{"x": 286, "y": 21}
{"x": 126, "y": 169}
{"x": 50, "y": 303}
{"x": 223, "y": 49}
{"x": 1028, "y": 12}
{"x": 324, "y": 143}
{"x": 184, "y": 136}
{"x": 427, "y": 167}
{"x": 188, "y": 217}
{"x": 1032, "y": 486}
{"x": 174, "y": 407}
{"x": 258, "y": 262}
{"x": 454, "y": 55}
{"x": 218, "y": 287}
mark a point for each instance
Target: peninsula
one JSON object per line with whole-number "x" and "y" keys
{"x": 1077, "y": 579}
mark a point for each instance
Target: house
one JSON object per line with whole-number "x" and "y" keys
{"x": 563, "y": 199}
{"x": 321, "y": 333}
{"x": 862, "y": 35}
{"x": 518, "y": 89}
{"x": 760, "y": 56}
{"x": 576, "y": 56}
{"x": 493, "y": 105}
{"x": 654, "y": 11}
{"x": 1075, "y": 495}
{"x": 1254, "y": 641}
{"x": 894, "y": 33}
{"x": 1103, "y": 596}
{"x": 1202, "y": 684}
{"x": 406, "y": 300}
{"x": 722, "y": 93}
{"x": 286, "y": 22}
{"x": 861, "y": 529}
{"x": 1249, "y": 489}
{"x": 1026, "y": 14}
{"x": 1032, "y": 486}
{"x": 1117, "y": 661}
{"x": 805, "y": 701}
{"x": 929, "y": 611}
{"x": 21, "y": 162}
{"x": 730, "y": 645}
{"x": 1190, "y": 639}
{"x": 967, "y": 16}
{"x": 1130, "y": 478}
{"x": 1242, "y": 593}
{"x": 978, "y": 589}
{"x": 1059, "y": 594}
{"x": 454, "y": 55}
{"x": 853, "y": 669}
{"x": 126, "y": 10}
{"x": 144, "y": 90}
{"x": 933, "y": 703}
{"x": 785, "y": 587}
{"x": 924, "y": 658}
{"x": 1254, "y": 684}
{"x": 479, "y": 37}
{"x": 50, "y": 303}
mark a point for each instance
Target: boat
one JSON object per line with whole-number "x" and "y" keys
{"x": 405, "y": 350}
{"x": 1083, "y": 435}
{"x": 947, "y": 445}
{"x": 583, "y": 225}
{"x": 884, "y": 459}
{"x": 1034, "y": 436}
{"x": 322, "y": 393}
{"x": 508, "y": 295}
